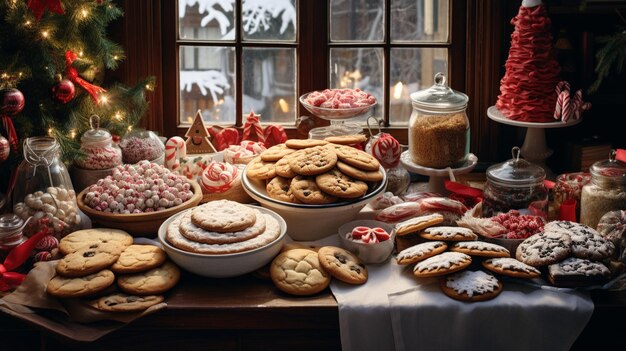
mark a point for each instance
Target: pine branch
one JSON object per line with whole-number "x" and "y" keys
{"x": 610, "y": 57}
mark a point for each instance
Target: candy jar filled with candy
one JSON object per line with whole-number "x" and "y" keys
{"x": 44, "y": 191}
{"x": 515, "y": 185}
{"x": 142, "y": 145}
{"x": 98, "y": 148}
{"x": 387, "y": 150}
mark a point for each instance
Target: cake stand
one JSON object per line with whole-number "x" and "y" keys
{"x": 534, "y": 148}
{"x": 438, "y": 176}
{"x": 339, "y": 119}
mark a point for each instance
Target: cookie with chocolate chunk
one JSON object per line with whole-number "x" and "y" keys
{"x": 88, "y": 260}
{"x": 120, "y": 302}
{"x": 342, "y": 264}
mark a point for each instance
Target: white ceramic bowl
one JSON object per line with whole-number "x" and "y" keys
{"x": 312, "y": 222}
{"x": 368, "y": 253}
{"x": 224, "y": 265}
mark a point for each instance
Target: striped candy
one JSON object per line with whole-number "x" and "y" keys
{"x": 175, "y": 149}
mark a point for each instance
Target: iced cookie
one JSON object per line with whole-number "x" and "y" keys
{"x": 340, "y": 185}
{"x": 511, "y": 267}
{"x": 88, "y": 260}
{"x": 420, "y": 252}
{"x": 417, "y": 223}
{"x": 544, "y": 248}
{"x": 153, "y": 282}
{"x": 448, "y": 234}
{"x": 480, "y": 248}
{"x": 342, "y": 264}
{"x": 60, "y": 286}
{"x": 471, "y": 286}
{"x": 298, "y": 272}
{"x": 139, "y": 258}
{"x": 223, "y": 216}
{"x": 442, "y": 264}
{"x": 125, "y": 303}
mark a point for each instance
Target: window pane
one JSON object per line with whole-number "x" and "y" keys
{"x": 207, "y": 84}
{"x": 269, "y": 84}
{"x": 359, "y": 68}
{"x": 206, "y": 19}
{"x": 412, "y": 70}
{"x": 359, "y": 20}
{"x": 269, "y": 20}
{"x": 419, "y": 20}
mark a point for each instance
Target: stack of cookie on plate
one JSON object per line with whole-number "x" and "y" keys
{"x": 222, "y": 227}
{"x": 315, "y": 172}
{"x": 572, "y": 254}
{"x": 448, "y": 252}
{"x": 300, "y": 270}
{"x": 94, "y": 259}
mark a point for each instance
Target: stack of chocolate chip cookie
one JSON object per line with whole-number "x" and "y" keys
{"x": 222, "y": 227}
{"x": 94, "y": 259}
{"x": 314, "y": 172}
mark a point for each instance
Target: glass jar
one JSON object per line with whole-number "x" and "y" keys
{"x": 515, "y": 185}
{"x": 606, "y": 192}
{"x": 141, "y": 145}
{"x": 439, "y": 131}
{"x": 569, "y": 186}
{"x": 97, "y": 145}
{"x": 44, "y": 191}
{"x": 10, "y": 233}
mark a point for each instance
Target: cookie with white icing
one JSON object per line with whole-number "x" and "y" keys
{"x": 448, "y": 234}
{"x": 480, "y": 248}
{"x": 471, "y": 286}
{"x": 442, "y": 264}
{"x": 573, "y": 272}
{"x": 420, "y": 252}
{"x": 544, "y": 248}
{"x": 511, "y": 267}
{"x": 417, "y": 223}
{"x": 586, "y": 241}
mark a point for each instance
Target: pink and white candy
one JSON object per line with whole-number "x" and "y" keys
{"x": 43, "y": 256}
{"x": 47, "y": 243}
{"x": 568, "y": 106}
{"x": 175, "y": 149}
{"x": 253, "y": 127}
{"x": 219, "y": 177}
{"x": 387, "y": 150}
{"x": 368, "y": 235}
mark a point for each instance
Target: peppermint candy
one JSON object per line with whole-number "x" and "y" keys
{"x": 219, "y": 177}
{"x": 47, "y": 243}
{"x": 387, "y": 150}
{"x": 175, "y": 149}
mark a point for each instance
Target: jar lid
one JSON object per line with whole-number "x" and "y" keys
{"x": 95, "y": 134}
{"x": 516, "y": 172}
{"x": 439, "y": 97}
{"x": 9, "y": 224}
{"x": 611, "y": 168}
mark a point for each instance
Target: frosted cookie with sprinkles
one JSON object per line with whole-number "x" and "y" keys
{"x": 544, "y": 248}
{"x": 448, "y": 234}
{"x": 480, "y": 248}
{"x": 511, "y": 267}
{"x": 418, "y": 223}
{"x": 442, "y": 264}
{"x": 471, "y": 286}
{"x": 420, "y": 252}
{"x": 573, "y": 272}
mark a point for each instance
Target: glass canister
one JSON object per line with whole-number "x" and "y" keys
{"x": 569, "y": 186}
{"x": 606, "y": 192}
{"x": 140, "y": 145}
{"x": 44, "y": 191}
{"x": 98, "y": 147}
{"x": 10, "y": 233}
{"x": 439, "y": 130}
{"x": 515, "y": 185}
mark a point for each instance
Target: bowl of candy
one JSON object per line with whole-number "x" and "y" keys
{"x": 371, "y": 241}
{"x": 338, "y": 104}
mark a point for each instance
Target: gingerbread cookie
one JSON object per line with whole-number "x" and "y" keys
{"x": 544, "y": 248}
{"x": 86, "y": 237}
{"x": 279, "y": 188}
{"x": 306, "y": 191}
{"x": 312, "y": 161}
{"x": 366, "y": 176}
{"x": 417, "y": 223}
{"x": 276, "y": 152}
{"x": 299, "y": 272}
{"x": 480, "y": 248}
{"x": 194, "y": 233}
{"x": 350, "y": 139}
{"x": 63, "y": 287}
{"x": 119, "y": 302}
{"x": 259, "y": 169}
{"x": 511, "y": 267}
{"x": 357, "y": 158}
{"x": 340, "y": 185}
{"x": 88, "y": 260}
{"x": 283, "y": 169}
{"x": 304, "y": 143}
{"x": 573, "y": 272}
{"x": 139, "y": 258}
{"x": 420, "y": 252}
{"x": 448, "y": 234}
{"x": 153, "y": 282}
{"x": 342, "y": 264}
{"x": 223, "y": 216}
{"x": 444, "y": 263}
{"x": 471, "y": 286}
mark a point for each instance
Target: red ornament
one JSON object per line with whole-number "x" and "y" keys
{"x": 39, "y": 7}
{"x": 64, "y": 91}
{"x": 12, "y": 102}
{"x": 5, "y": 149}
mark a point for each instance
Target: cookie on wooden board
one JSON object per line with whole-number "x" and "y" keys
{"x": 120, "y": 302}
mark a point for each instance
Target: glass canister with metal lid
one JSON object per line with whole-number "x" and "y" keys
{"x": 439, "y": 129}
{"x": 99, "y": 150}
{"x": 606, "y": 192}
{"x": 515, "y": 185}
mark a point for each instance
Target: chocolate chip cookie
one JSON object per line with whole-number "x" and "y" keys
{"x": 312, "y": 161}
{"x": 342, "y": 264}
{"x": 340, "y": 185}
{"x": 306, "y": 191}
{"x": 88, "y": 260}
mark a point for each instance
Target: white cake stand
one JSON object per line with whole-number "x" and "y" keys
{"x": 534, "y": 148}
{"x": 438, "y": 176}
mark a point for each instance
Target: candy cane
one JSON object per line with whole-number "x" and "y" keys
{"x": 175, "y": 149}
{"x": 559, "y": 106}
{"x": 578, "y": 103}
{"x": 566, "y": 108}
{"x": 226, "y": 137}
{"x": 274, "y": 134}
{"x": 559, "y": 87}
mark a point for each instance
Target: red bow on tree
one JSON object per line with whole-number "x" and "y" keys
{"x": 39, "y": 7}
{"x": 16, "y": 258}
{"x": 72, "y": 74}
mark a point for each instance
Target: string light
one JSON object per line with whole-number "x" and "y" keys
{"x": 80, "y": 53}
{"x": 27, "y": 23}
{"x": 130, "y": 128}
{"x": 115, "y": 57}
{"x": 149, "y": 87}
{"x": 104, "y": 99}
{"x": 50, "y": 131}
{"x": 45, "y": 34}
{"x": 5, "y": 76}
{"x": 118, "y": 116}
{"x": 73, "y": 133}
{"x": 85, "y": 13}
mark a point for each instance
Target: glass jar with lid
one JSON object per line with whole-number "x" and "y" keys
{"x": 140, "y": 145}
{"x": 10, "y": 233}
{"x": 515, "y": 185}
{"x": 439, "y": 130}
{"x": 606, "y": 192}
{"x": 99, "y": 150}
{"x": 44, "y": 191}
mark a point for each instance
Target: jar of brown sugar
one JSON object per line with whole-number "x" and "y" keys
{"x": 439, "y": 130}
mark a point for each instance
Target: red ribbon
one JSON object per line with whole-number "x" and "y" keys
{"x": 7, "y": 122}
{"x": 466, "y": 194}
{"x": 39, "y": 7}
{"x": 72, "y": 74}
{"x": 620, "y": 155}
{"x": 16, "y": 258}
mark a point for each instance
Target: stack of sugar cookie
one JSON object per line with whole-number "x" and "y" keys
{"x": 315, "y": 172}
{"x": 303, "y": 271}
{"x": 222, "y": 227}
{"x": 94, "y": 259}
{"x": 572, "y": 253}
{"x": 448, "y": 252}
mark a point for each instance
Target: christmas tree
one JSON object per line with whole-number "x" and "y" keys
{"x": 54, "y": 56}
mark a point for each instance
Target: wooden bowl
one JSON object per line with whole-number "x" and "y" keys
{"x": 138, "y": 224}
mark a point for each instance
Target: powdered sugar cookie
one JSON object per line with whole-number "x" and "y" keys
{"x": 448, "y": 234}
{"x": 511, "y": 267}
{"x": 420, "y": 252}
{"x": 417, "y": 223}
{"x": 586, "y": 241}
{"x": 544, "y": 248}
{"x": 194, "y": 233}
{"x": 444, "y": 263}
{"x": 223, "y": 216}
{"x": 480, "y": 248}
{"x": 471, "y": 286}
{"x": 573, "y": 272}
